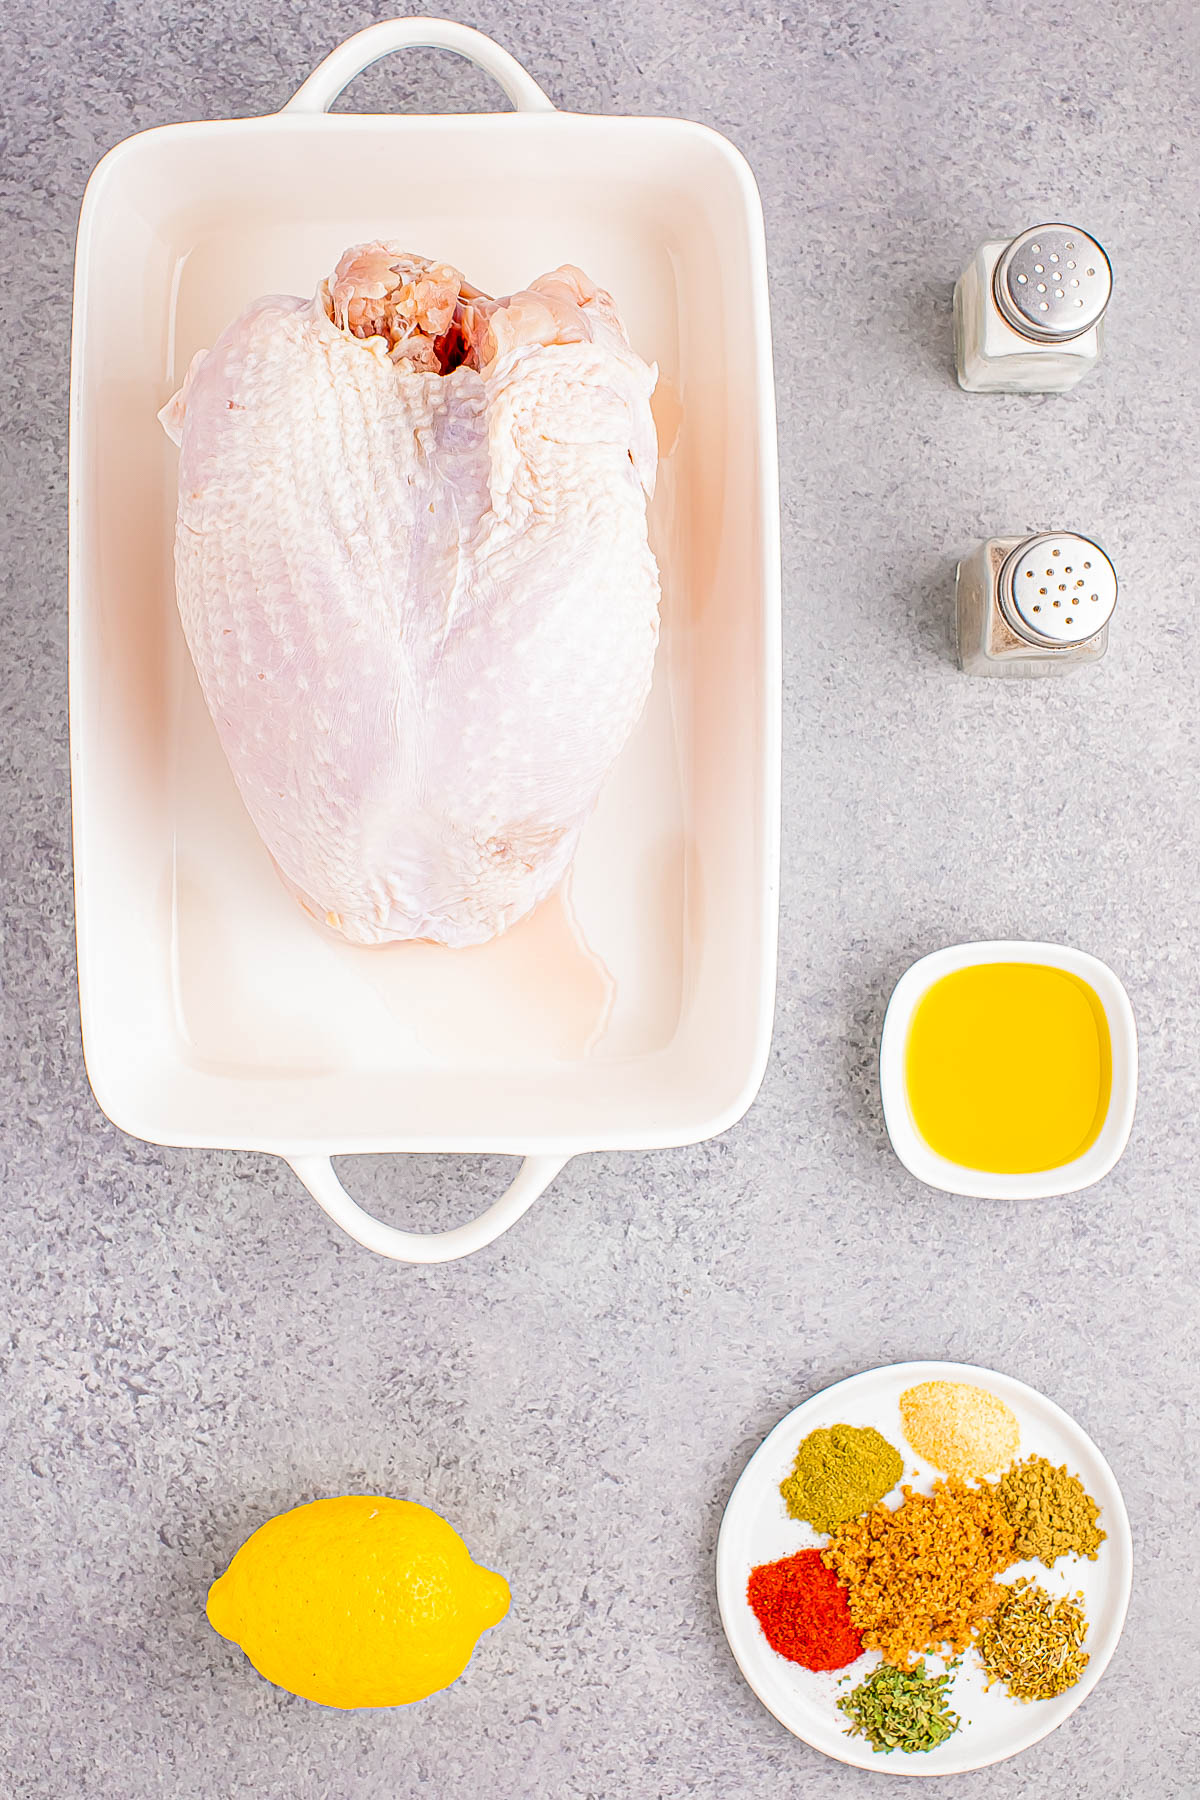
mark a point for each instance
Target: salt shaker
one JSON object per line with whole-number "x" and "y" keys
{"x": 1035, "y": 605}
{"x": 1028, "y": 312}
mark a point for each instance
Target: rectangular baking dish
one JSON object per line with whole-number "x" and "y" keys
{"x": 636, "y": 1011}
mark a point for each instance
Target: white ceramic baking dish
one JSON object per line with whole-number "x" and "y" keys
{"x": 636, "y": 1011}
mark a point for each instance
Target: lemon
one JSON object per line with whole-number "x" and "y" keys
{"x": 358, "y": 1601}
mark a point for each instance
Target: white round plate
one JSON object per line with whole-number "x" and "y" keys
{"x": 756, "y": 1529}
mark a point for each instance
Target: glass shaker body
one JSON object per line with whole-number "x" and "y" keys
{"x": 1068, "y": 591}
{"x": 1019, "y": 353}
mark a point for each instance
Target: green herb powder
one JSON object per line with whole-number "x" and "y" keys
{"x": 901, "y": 1709}
{"x": 840, "y": 1470}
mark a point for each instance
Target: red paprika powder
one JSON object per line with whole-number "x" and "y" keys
{"x": 801, "y": 1606}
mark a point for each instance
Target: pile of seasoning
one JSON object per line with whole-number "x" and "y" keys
{"x": 801, "y": 1607}
{"x": 960, "y": 1429}
{"x": 1034, "y": 1644}
{"x": 901, "y": 1709}
{"x": 1050, "y": 1511}
{"x": 922, "y": 1575}
{"x": 839, "y": 1471}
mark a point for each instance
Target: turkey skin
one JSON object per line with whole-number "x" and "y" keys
{"x": 413, "y": 573}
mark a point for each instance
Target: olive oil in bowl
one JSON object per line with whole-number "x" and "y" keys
{"x": 1008, "y": 1067}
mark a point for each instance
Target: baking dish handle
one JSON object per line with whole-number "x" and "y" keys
{"x": 320, "y": 1178}
{"x": 328, "y": 79}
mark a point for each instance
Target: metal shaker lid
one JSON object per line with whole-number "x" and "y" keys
{"x": 1053, "y": 283}
{"x": 1058, "y": 589}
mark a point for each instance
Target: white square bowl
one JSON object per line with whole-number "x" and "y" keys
{"x": 921, "y": 1160}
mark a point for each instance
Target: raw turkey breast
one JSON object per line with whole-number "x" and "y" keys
{"x": 413, "y": 574}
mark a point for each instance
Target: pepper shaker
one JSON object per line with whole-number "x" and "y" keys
{"x": 1034, "y": 606}
{"x": 1028, "y": 312}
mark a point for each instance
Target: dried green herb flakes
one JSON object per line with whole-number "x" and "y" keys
{"x": 901, "y": 1709}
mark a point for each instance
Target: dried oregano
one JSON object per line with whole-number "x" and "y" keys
{"x": 901, "y": 1709}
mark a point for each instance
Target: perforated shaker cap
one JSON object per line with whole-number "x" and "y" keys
{"x": 1058, "y": 589}
{"x": 1053, "y": 283}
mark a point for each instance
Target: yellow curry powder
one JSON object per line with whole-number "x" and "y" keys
{"x": 922, "y": 1576}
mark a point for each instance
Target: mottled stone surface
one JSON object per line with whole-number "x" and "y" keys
{"x": 187, "y": 1346}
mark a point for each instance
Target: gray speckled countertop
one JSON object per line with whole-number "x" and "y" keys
{"x": 580, "y": 1399}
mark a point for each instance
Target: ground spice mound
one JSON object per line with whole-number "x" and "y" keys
{"x": 801, "y": 1607}
{"x": 839, "y": 1471}
{"x": 1051, "y": 1512}
{"x": 960, "y": 1429}
{"x": 921, "y": 1576}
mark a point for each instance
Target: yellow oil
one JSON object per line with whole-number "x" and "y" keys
{"x": 1009, "y": 1067}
